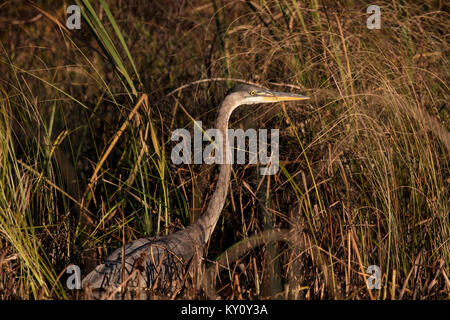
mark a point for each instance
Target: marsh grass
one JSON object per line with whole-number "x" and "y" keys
{"x": 85, "y": 146}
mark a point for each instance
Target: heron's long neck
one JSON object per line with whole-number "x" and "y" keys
{"x": 208, "y": 220}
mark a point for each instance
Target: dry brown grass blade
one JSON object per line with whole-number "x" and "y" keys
{"x": 49, "y": 16}
{"x": 187, "y": 85}
{"x": 121, "y": 286}
{"x": 413, "y": 270}
{"x": 361, "y": 266}
{"x": 114, "y": 140}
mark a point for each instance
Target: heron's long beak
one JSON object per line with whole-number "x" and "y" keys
{"x": 274, "y": 96}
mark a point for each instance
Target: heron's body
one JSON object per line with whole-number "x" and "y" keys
{"x": 146, "y": 261}
{"x": 163, "y": 259}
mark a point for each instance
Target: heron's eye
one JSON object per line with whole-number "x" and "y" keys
{"x": 252, "y": 93}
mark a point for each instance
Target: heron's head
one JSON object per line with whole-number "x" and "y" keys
{"x": 247, "y": 94}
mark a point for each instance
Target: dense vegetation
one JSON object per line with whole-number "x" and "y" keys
{"x": 87, "y": 115}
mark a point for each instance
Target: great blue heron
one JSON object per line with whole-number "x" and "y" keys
{"x": 159, "y": 262}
